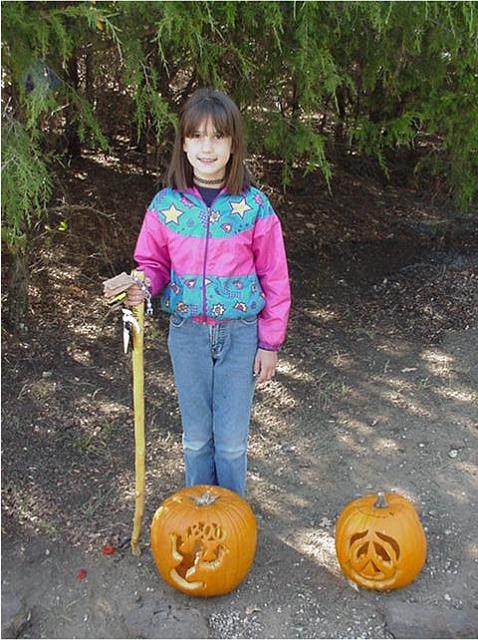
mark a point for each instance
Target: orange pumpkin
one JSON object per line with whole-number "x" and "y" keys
{"x": 203, "y": 540}
{"x": 380, "y": 543}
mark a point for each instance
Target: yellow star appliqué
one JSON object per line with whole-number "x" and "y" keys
{"x": 240, "y": 207}
{"x": 172, "y": 214}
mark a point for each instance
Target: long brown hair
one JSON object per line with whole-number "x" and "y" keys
{"x": 225, "y": 116}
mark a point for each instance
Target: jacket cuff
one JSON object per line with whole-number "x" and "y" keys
{"x": 154, "y": 286}
{"x": 269, "y": 347}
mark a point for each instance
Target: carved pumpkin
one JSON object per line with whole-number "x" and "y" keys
{"x": 380, "y": 543}
{"x": 203, "y": 540}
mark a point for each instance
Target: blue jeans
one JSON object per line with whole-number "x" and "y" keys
{"x": 213, "y": 369}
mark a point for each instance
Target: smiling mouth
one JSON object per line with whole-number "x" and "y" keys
{"x": 207, "y": 160}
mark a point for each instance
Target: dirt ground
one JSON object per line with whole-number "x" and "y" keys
{"x": 376, "y": 390}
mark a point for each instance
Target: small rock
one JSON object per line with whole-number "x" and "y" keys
{"x": 425, "y": 621}
{"x": 252, "y": 609}
{"x": 353, "y": 585}
{"x": 452, "y": 453}
{"x": 47, "y": 374}
{"x": 447, "y": 597}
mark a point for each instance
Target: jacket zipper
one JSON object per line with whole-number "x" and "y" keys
{"x": 208, "y": 209}
{"x": 205, "y": 261}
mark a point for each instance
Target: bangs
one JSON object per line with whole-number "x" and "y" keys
{"x": 208, "y": 110}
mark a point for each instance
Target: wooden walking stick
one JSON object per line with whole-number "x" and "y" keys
{"x": 115, "y": 290}
{"x": 138, "y": 405}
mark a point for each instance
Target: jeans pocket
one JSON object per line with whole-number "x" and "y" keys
{"x": 248, "y": 321}
{"x": 177, "y": 321}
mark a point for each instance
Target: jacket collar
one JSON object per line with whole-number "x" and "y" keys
{"x": 195, "y": 192}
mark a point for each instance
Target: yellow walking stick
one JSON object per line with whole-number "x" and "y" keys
{"x": 138, "y": 405}
{"x": 115, "y": 291}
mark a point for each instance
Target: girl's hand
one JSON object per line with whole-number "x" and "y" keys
{"x": 136, "y": 295}
{"x": 265, "y": 365}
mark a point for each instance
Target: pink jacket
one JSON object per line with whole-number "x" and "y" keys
{"x": 220, "y": 263}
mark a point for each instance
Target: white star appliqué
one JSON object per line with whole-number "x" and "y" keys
{"x": 240, "y": 207}
{"x": 172, "y": 214}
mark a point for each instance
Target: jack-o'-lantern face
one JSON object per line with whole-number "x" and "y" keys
{"x": 380, "y": 544}
{"x": 203, "y": 540}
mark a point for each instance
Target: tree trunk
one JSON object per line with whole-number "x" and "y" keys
{"x": 17, "y": 314}
{"x": 340, "y": 126}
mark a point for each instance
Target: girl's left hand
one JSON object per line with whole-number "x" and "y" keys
{"x": 265, "y": 365}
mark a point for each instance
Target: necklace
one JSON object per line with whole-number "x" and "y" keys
{"x": 200, "y": 181}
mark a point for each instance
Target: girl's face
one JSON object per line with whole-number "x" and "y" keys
{"x": 208, "y": 151}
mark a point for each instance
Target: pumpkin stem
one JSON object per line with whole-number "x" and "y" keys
{"x": 381, "y": 502}
{"x": 205, "y": 499}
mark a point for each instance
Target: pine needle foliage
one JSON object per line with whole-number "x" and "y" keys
{"x": 39, "y": 38}
{"x": 316, "y": 81}
{"x": 367, "y": 77}
{"x": 26, "y": 186}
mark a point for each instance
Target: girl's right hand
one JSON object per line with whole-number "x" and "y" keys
{"x": 135, "y": 294}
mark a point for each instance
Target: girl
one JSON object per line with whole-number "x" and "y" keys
{"x": 212, "y": 244}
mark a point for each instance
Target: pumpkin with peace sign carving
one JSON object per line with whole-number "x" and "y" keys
{"x": 380, "y": 543}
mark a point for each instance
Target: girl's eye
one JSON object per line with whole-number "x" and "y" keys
{"x": 198, "y": 134}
